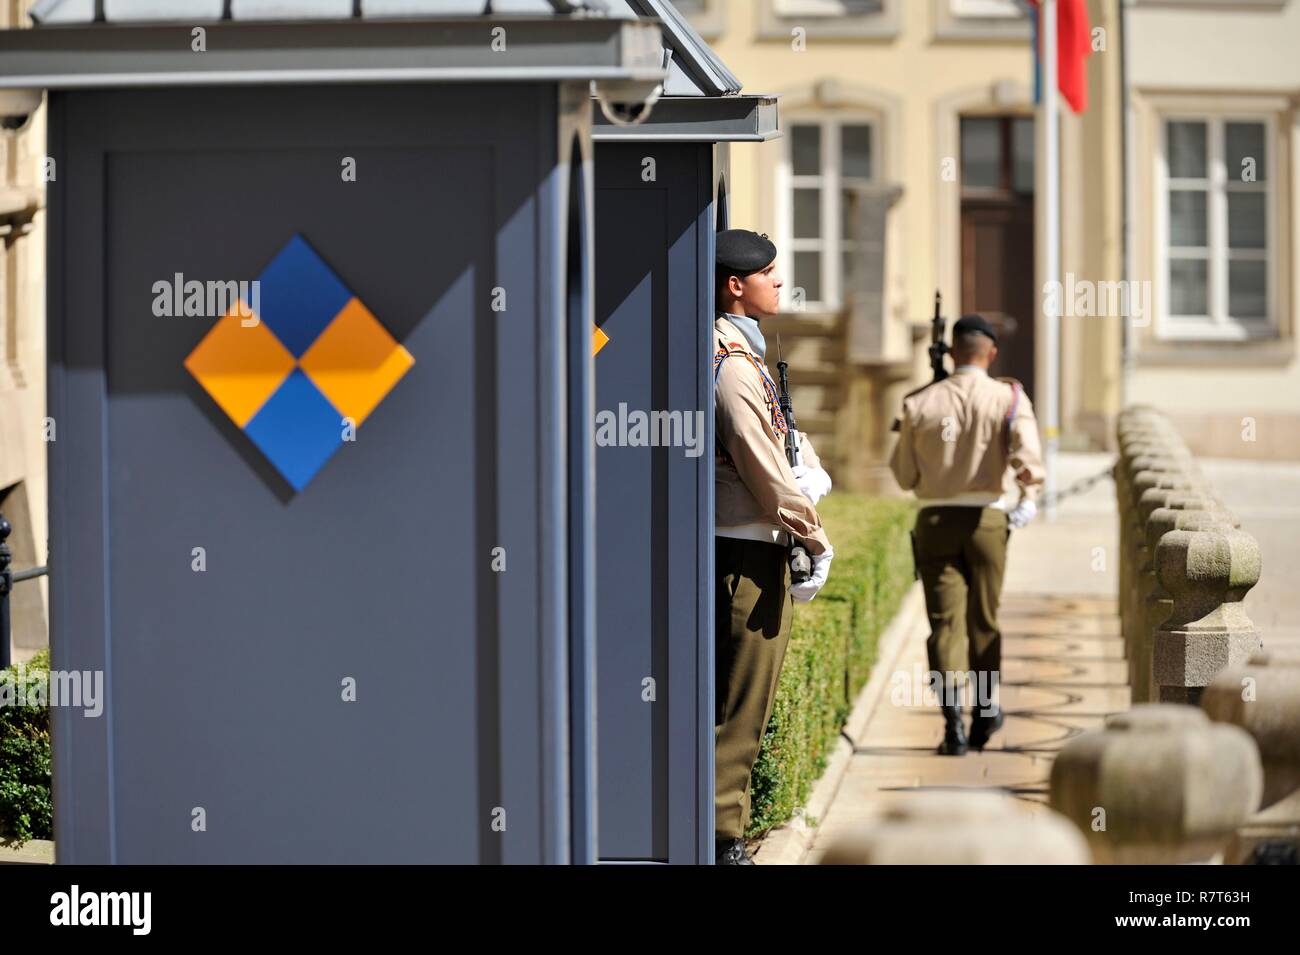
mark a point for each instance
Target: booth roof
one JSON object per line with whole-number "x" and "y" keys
{"x": 693, "y": 70}
{"x": 198, "y": 11}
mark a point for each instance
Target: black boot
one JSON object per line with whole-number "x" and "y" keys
{"x": 954, "y": 736}
{"x": 982, "y": 727}
{"x": 730, "y": 852}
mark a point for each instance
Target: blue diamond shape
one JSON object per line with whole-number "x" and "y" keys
{"x": 297, "y": 429}
{"x": 300, "y": 295}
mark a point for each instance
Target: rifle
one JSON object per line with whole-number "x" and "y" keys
{"x": 938, "y": 348}
{"x": 800, "y": 565}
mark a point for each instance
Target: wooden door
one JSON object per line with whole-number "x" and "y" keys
{"x": 997, "y": 237}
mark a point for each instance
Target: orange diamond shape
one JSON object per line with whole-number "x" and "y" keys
{"x": 355, "y": 362}
{"x": 239, "y": 365}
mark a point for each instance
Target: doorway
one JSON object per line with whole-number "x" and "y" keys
{"x": 997, "y": 236}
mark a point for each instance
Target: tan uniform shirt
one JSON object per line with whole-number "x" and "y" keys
{"x": 753, "y": 482}
{"x": 954, "y": 445}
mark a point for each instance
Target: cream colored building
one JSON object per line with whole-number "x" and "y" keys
{"x": 22, "y": 348}
{"x": 1216, "y": 219}
{"x": 927, "y": 106}
{"x": 910, "y": 164}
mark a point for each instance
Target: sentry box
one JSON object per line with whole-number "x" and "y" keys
{"x": 330, "y": 547}
{"x": 661, "y": 193}
{"x": 323, "y": 499}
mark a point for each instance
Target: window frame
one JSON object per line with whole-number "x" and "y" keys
{"x": 1006, "y": 187}
{"x": 1218, "y": 325}
{"x": 953, "y": 24}
{"x": 811, "y": 8}
{"x": 953, "y": 6}
{"x": 882, "y": 24}
{"x": 830, "y": 180}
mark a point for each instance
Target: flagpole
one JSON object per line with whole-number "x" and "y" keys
{"x": 1052, "y": 257}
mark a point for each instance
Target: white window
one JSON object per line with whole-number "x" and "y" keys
{"x": 1217, "y": 235}
{"x": 824, "y": 156}
{"x": 825, "y": 8}
{"x": 830, "y": 19}
{"x": 1001, "y": 9}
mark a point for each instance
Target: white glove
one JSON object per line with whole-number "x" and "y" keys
{"x": 814, "y": 482}
{"x": 821, "y": 569}
{"x": 1022, "y": 514}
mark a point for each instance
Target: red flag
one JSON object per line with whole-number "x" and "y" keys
{"x": 1073, "y": 45}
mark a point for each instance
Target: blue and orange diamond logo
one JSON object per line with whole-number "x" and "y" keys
{"x": 316, "y": 357}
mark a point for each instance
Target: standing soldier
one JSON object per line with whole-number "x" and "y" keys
{"x": 968, "y": 445}
{"x": 763, "y": 506}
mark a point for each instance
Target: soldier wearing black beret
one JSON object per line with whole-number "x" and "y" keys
{"x": 763, "y": 505}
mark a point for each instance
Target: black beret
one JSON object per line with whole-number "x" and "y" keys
{"x": 974, "y": 323}
{"x": 741, "y": 252}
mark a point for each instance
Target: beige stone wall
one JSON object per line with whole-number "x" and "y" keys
{"x": 914, "y": 84}
{"x": 22, "y": 356}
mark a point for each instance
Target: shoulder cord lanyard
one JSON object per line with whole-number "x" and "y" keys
{"x": 769, "y": 393}
{"x": 769, "y": 388}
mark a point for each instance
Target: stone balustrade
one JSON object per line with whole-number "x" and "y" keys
{"x": 1167, "y": 782}
{"x": 1181, "y": 581}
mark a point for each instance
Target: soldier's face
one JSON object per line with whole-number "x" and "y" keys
{"x": 761, "y": 292}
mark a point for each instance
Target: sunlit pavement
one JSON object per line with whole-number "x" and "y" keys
{"x": 1063, "y": 659}
{"x": 1063, "y": 671}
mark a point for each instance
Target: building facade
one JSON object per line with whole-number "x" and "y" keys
{"x": 912, "y": 162}
{"x": 23, "y": 428}
{"x": 1216, "y": 221}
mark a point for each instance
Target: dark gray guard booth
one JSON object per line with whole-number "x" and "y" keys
{"x": 473, "y": 692}
{"x": 661, "y": 190}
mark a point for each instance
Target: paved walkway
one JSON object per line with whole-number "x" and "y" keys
{"x": 1063, "y": 661}
{"x": 1063, "y": 672}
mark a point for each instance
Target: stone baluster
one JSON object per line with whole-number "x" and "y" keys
{"x": 1207, "y": 573}
{"x": 1263, "y": 698}
{"x": 962, "y": 828}
{"x": 1152, "y": 489}
{"x": 1157, "y": 785}
{"x": 1136, "y": 474}
{"x": 1184, "y": 511}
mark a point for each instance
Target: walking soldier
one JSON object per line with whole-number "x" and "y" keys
{"x": 968, "y": 446}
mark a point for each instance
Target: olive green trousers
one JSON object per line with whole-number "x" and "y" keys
{"x": 752, "y": 629}
{"x": 961, "y": 553}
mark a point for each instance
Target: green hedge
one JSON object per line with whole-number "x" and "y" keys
{"x": 832, "y": 648}
{"x": 26, "y": 810}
